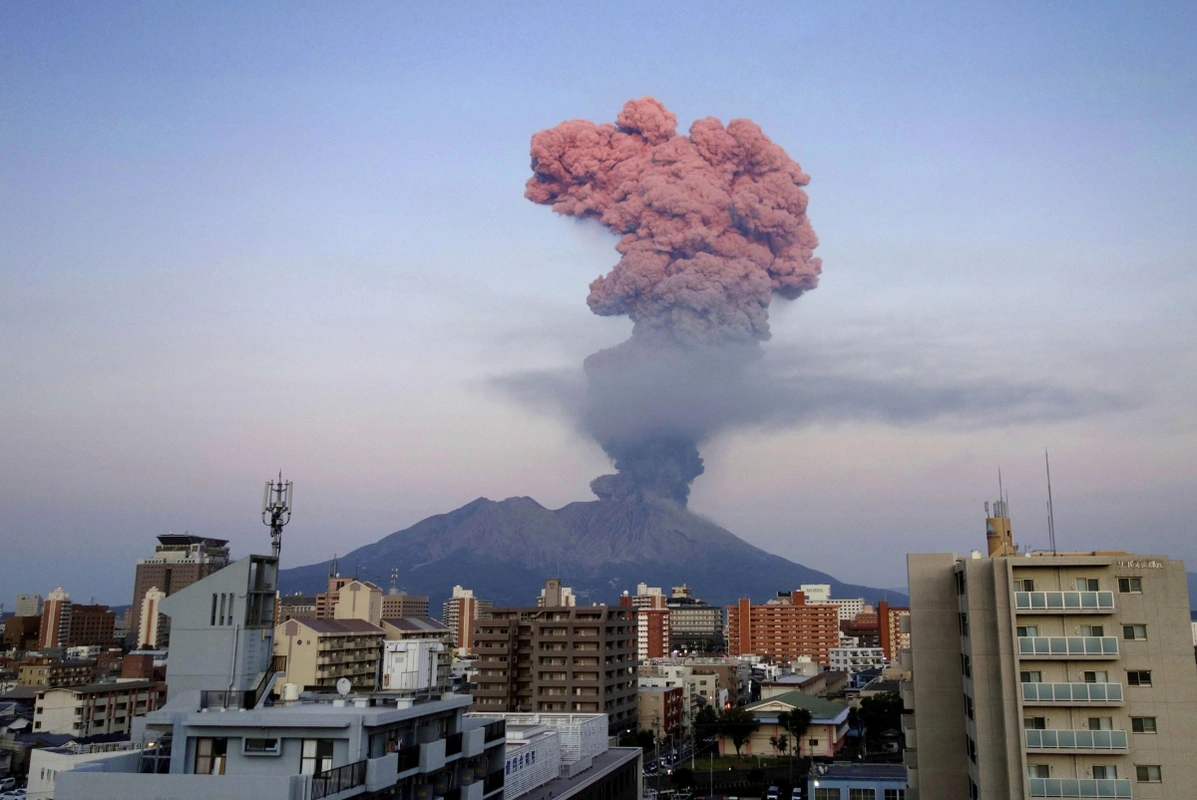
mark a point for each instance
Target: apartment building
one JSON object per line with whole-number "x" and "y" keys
{"x": 652, "y": 633}
{"x": 296, "y": 606}
{"x": 1049, "y": 674}
{"x": 56, "y": 620}
{"x": 50, "y": 673}
{"x": 558, "y": 659}
{"x": 316, "y": 653}
{"x": 662, "y": 711}
{"x": 179, "y": 560}
{"x": 459, "y": 614}
{"x": 819, "y": 594}
{"x": 783, "y": 631}
{"x": 857, "y": 659}
{"x": 359, "y": 600}
{"x": 890, "y": 629}
{"x": 21, "y": 633}
{"x": 402, "y": 604}
{"x": 694, "y": 625}
{"x": 91, "y": 625}
{"x": 28, "y": 605}
{"x": 98, "y": 708}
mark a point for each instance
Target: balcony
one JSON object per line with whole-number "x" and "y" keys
{"x": 1092, "y": 694}
{"x": 1064, "y": 602}
{"x": 1079, "y": 787}
{"x": 338, "y": 779}
{"x": 1075, "y": 740}
{"x": 1061, "y": 647}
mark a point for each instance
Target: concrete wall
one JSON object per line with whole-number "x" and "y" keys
{"x": 112, "y": 786}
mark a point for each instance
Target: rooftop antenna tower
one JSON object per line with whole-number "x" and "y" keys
{"x": 332, "y": 566}
{"x": 276, "y": 510}
{"x": 394, "y": 580}
{"x": 1051, "y": 515}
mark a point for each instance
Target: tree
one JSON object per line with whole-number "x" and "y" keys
{"x": 881, "y": 712}
{"x": 706, "y": 723}
{"x": 683, "y": 778}
{"x": 796, "y": 723}
{"x": 738, "y": 725}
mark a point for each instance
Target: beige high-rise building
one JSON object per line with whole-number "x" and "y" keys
{"x": 1047, "y": 674}
{"x": 56, "y": 619}
{"x": 459, "y": 614}
{"x": 147, "y": 631}
{"x": 359, "y": 600}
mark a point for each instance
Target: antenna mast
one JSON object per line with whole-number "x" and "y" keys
{"x": 1051, "y": 516}
{"x": 276, "y": 510}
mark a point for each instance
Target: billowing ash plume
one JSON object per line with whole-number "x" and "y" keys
{"x": 712, "y": 225}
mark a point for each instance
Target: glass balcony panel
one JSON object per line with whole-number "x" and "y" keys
{"x": 1055, "y": 600}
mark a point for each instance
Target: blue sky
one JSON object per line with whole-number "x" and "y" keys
{"x": 242, "y": 238}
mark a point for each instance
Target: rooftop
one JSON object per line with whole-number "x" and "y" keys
{"x": 416, "y": 624}
{"x": 337, "y": 625}
{"x": 895, "y": 772}
{"x": 101, "y": 688}
{"x": 328, "y": 711}
{"x": 178, "y": 539}
{"x": 819, "y": 708}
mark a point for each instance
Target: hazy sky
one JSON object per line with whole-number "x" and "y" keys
{"x": 239, "y": 237}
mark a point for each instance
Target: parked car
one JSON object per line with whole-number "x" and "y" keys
{"x": 796, "y": 794}
{"x": 772, "y": 793}
{"x": 7, "y": 783}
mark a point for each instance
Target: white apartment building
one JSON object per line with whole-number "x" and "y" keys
{"x": 819, "y": 594}
{"x": 1066, "y": 675}
{"x": 856, "y": 659}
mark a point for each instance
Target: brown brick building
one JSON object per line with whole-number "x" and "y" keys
{"x": 558, "y": 659}
{"x": 179, "y": 560}
{"x": 784, "y": 629}
{"x": 21, "y": 633}
{"x": 91, "y": 624}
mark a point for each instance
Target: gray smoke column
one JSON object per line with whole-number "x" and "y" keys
{"x": 711, "y": 226}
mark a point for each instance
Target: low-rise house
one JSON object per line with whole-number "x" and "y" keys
{"x": 853, "y": 781}
{"x": 824, "y": 738}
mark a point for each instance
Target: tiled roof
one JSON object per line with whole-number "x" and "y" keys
{"x": 337, "y": 625}
{"x": 417, "y": 624}
{"x": 817, "y": 706}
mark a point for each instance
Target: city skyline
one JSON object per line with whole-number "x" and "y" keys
{"x": 249, "y": 238}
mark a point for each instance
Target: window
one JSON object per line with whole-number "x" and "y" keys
{"x": 1039, "y": 770}
{"x": 972, "y": 748}
{"x": 210, "y": 756}
{"x": 862, "y": 794}
{"x": 1028, "y": 630}
{"x": 895, "y": 794}
{"x": 1086, "y": 584}
{"x": 1134, "y": 631}
{"x": 960, "y": 584}
{"x": 1034, "y": 723}
{"x": 1030, "y": 676}
{"x": 812, "y": 742}
{"x": 1143, "y": 724}
{"x": 966, "y": 666}
{"x": 1138, "y": 677}
{"x": 1130, "y": 585}
{"x": 968, "y": 706}
{"x": 317, "y": 756}
{"x": 213, "y": 621}
{"x": 974, "y": 792}
{"x": 827, "y": 794}
{"x": 1024, "y": 585}
{"x": 1107, "y": 772}
{"x": 1093, "y": 630}
{"x": 1096, "y": 676}
{"x": 260, "y": 746}
{"x": 1101, "y": 723}
{"x": 1148, "y": 773}
{"x": 963, "y": 623}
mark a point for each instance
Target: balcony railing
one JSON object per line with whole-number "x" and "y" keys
{"x": 1079, "y": 787}
{"x": 1091, "y": 693}
{"x": 495, "y": 730}
{"x": 493, "y": 782}
{"x": 1067, "y": 646}
{"x": 453, "y": 744}
{"x": 338, "y": 779}
{"x": 409, "y": 758}
{"x": 1075, "y": 740}
{"x": 1064, "y": 602}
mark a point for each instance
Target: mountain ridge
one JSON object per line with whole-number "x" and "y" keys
{"x": 505, "y": 549}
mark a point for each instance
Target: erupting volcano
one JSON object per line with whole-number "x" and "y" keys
{"x": 712, "y": 225}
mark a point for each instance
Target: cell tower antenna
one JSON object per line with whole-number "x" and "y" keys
{"x": 394, "y": 580}
{"x": 1051, "y": 514}
{"x": 276, "y": 510}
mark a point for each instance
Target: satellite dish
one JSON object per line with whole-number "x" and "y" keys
{"x": 343, "y": 687}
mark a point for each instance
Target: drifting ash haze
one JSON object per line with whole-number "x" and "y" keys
{"x": 711, "y": 225}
